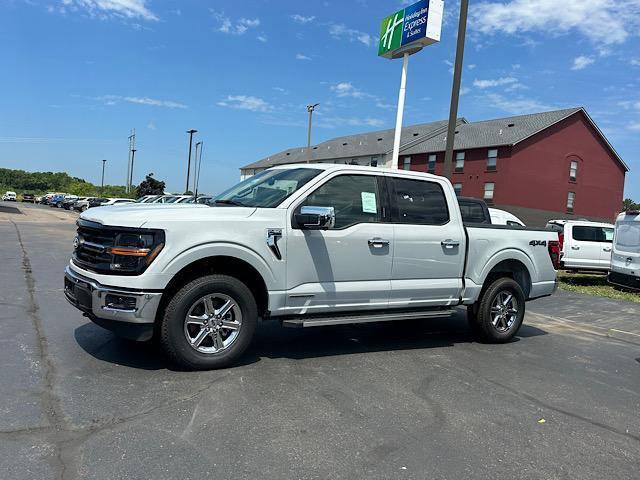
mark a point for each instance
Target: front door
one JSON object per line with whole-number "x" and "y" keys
{"x": 347, "y": 267}
{"x": 429, "y": 247}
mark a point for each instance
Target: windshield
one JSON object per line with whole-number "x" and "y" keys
{"x": 267, "y": 189}
{"x": 628, "y": 237}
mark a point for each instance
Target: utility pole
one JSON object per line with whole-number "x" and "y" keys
{"x": 195, "y": 166}
{"x": 132, "y": 146}
{"x": 133, "y": 155}
{"x": 455, "y": 90}
{"x": 102, "y": 182}
{"x": 199, "y": 159}
{"x": 310, "y": 109}
{"x": 190, "y": 132}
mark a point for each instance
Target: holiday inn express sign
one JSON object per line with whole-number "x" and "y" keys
{"x": 410, "y": 29}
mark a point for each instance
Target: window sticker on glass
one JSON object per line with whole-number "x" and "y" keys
{"x": 369, "y": 204}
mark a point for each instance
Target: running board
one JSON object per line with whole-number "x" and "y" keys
{"x": 300, "y": 322}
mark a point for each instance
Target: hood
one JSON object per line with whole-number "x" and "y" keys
{"x": 154, "y": 215}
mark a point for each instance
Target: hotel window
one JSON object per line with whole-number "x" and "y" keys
{"x": 458, "y": 188}
{"x": 571, "y": 198}
{"x": 407, "y": 163}
{"x": 431, "y": 166}
{"x": 573, "y": 171}
{"x": 488, "y": 192}
{"x": 492, "y": 160}
{"x": 459, "y": 162}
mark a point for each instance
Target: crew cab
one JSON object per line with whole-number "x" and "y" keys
{"x": 307, "y": 245}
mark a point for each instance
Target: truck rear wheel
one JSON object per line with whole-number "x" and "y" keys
{"x": 500, "y": 311}
{"x": 209, "y": 323}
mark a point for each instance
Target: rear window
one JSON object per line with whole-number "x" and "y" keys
{"x": 628, "y": 236}
{"x": 472, "y": 213}
{"x": 592, "y": 234}
{"x": 420, "y": 202}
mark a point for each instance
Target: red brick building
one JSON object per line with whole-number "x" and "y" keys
{"x": 540, "y": 166}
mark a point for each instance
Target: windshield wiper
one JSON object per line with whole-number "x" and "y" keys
{"x": 230, "y": 202}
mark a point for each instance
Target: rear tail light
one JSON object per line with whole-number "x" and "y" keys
{"x": 554, "y": 253}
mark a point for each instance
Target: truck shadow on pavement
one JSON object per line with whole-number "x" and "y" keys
{"x": 276, "y": 342}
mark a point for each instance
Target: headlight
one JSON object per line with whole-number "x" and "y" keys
{"x": 133, "y": 252}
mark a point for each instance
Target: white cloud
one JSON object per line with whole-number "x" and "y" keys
{"x": 346, "y": 89}
{"x": 630, "y": 104}
{"x": 635, "y": 62}
{"x": 494, "y": 82}
{"x": 516, "y": 106}
{"x": 635, "y": 126}
{"x": 109, "y": 8}
{"x": 238, "y": 28}
{"x": 154, "y": 102}
{"x": 262, "y": 38}
{"x": 334, "y": 122}
{"x": 301, "y": 19}
{"x": 246, "y": 102}
{"x": 581, "y": 62}
{"x": 300, "y": 56}
{"x": 472, "y": 66}
{"x": 601, "y": 21}
{"x": 151, "y": 125}
{"x": 464, "y": 90}
{"x": 340, "y": 31}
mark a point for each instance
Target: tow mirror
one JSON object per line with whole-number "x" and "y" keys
{"x": 316, "y": 218}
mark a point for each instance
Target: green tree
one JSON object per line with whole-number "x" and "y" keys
{"x": 629, "y": 204}
{"x": 150, "y": 186}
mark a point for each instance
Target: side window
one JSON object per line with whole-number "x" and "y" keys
{"x": 592, "y": 234}
{"x": 355, "y": 199}
{"x": 419, "y": 202}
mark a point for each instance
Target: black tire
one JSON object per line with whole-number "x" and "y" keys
{"x": 173, "y": 335}
{"x": 507, "y": 327}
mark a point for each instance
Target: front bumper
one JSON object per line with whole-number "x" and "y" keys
{"x": 133, "y": 319}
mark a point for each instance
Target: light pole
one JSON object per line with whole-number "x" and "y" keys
{"x": 195, "y": 166}
{"x": 102, "y": 182}
{"x": 133, "y": 156}
{"x": 190, "y": 132}
{"x": 310, "y": 109}
{"x": 455, "y": 89}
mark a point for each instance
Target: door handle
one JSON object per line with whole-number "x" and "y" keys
{"x": 575, "y": 248}
{"x": 378, "y": 242}
{"x": 606, "y": 249}
{"x": 450, "y": 243}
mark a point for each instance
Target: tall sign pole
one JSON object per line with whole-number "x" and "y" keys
{"x": 190, "y": 132}
{"x": 455, "y": 89}
{"x": 310, "y": 109}
{"x": 404, "y": 33}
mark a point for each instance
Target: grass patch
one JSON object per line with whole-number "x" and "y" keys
{"x": 593, "y": 284}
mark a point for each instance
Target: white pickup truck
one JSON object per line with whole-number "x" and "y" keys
{"x": 307, "y": 245}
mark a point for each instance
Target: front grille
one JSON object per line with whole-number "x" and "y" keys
{"x": 92, "y": 247}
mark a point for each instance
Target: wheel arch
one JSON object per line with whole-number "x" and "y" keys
{"x": 218, "y": 264}
{"x": 510, "y": 268}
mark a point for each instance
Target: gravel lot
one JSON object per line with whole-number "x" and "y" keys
{"x": 409, "y": 400}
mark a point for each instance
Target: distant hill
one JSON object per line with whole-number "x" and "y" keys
{"x": 20, "y": 181}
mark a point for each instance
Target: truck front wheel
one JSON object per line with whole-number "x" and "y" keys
{"x": 209, "y": 323}
{"x": 500, "y": 311}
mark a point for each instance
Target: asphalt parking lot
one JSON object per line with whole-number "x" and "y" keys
{"x": 409, "y": 400}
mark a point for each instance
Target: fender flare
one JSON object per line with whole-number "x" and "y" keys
{"x": 222, "y": 249}
{"x": 509, "y": 254}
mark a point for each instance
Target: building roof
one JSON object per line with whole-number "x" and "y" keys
{"x": 431, "y": 138}
{"x": 352, "y": 146}
{"x": 491, "y": 133}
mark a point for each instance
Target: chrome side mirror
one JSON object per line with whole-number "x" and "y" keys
{"x": 316, "y": 218}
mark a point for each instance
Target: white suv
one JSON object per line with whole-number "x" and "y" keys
{"x": 9, "y": 197}
{"x": 584, "y": 245}
{"x": 625, "y": 261}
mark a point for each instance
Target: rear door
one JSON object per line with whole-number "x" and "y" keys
{"x": 429, "y": 244}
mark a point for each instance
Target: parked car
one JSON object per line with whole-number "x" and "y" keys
{"x": 306, "y": 245}
{"x": 56, "y": 201}
{"x": 82, "y": 204}
{"x": 502, "y": 217}
{"x": 96, "y": 202}
{"x": 28, "y": 198}
{"x": 9, "y": 197}
{"x": 585, "y": 245}
{"x": 117, "y": 201}
{"x": 39, "y": 199}
{"x": 67, "y": 201}
{"x": 164, "y": 199}
{"x": 146, "y": 198}
{"x": 201, "y": 200}
{"x": 180, "y": 199}
{"x": 625, "y": 260}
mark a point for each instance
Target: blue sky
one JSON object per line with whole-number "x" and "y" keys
{"x": 79, "y": 74}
